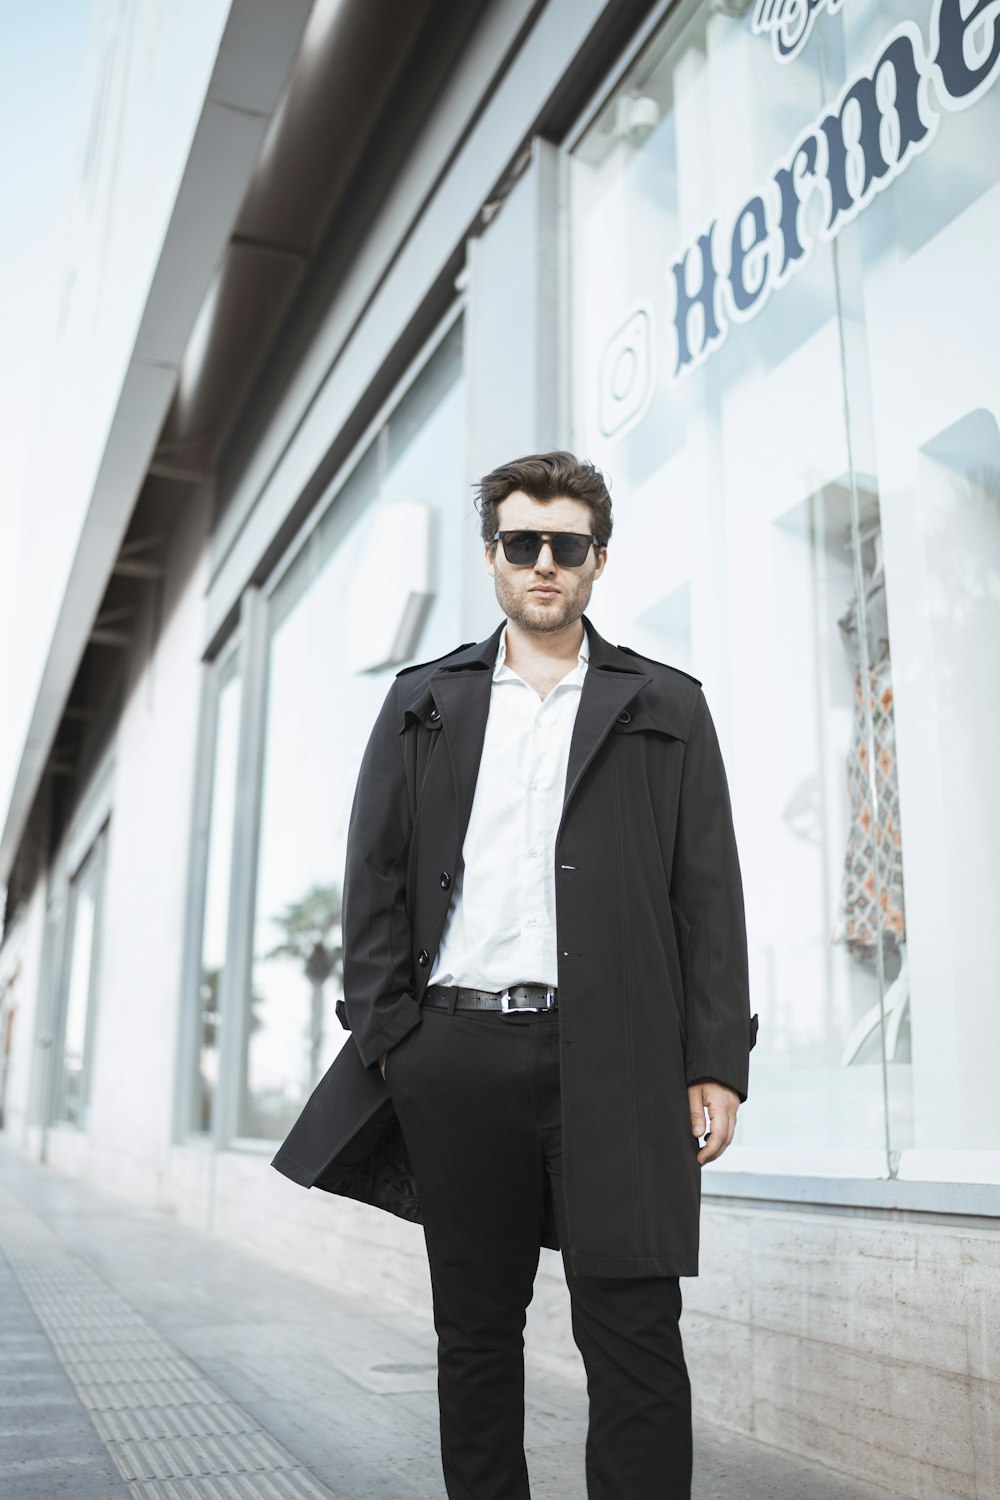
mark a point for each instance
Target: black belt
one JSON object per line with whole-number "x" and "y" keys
{"x": 517, "y": 997}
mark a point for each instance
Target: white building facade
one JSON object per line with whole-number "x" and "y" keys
{"x": 740, "y": 255}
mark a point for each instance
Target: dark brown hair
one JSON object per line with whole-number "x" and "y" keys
{"x": 545, "y": 476}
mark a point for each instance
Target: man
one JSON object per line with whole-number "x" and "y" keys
{"x": 545, "y": 958}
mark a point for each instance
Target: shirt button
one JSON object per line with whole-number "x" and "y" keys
{"x": 531, "y": 922}
{"x": 533, "y": 853}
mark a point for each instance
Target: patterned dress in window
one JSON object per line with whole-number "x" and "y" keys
{"x": 873, "y": 861}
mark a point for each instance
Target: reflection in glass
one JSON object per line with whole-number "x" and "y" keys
{"x": 217, "y": 886}
{"x": 322, "y": 697}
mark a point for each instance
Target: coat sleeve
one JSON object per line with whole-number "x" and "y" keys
{"x": 707, "y": 885}
{"x": 378, "y": 983}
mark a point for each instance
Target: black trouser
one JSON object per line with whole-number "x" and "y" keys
{"x": 477, "y": 1097}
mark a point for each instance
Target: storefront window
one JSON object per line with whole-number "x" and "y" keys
{"x": 368, "y": 592}
{"x": 217, "y": 888}
{"x": 783, "y": 229}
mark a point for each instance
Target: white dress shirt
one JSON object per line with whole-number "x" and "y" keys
{"x": 501, "y": 925}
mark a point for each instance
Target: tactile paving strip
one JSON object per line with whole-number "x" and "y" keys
{"x": 172, "y": 1434}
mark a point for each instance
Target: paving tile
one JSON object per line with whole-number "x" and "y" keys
{"x": 36, "y": 1456}
{"x": 49, "y": 1448}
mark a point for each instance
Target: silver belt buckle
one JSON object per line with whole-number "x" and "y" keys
{"x": 508, "y": 1009}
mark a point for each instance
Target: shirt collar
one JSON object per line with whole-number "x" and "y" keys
{"x": 501, "y": 659}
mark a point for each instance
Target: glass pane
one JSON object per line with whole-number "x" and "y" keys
{"x": 720, "y": 380}
{"x": 764, "y": 282}
{"x": 71, "y": 1087}
{"x": 325, "y": 686}
{"x": 922, "y": 322}
{"x": 217, "y": 887}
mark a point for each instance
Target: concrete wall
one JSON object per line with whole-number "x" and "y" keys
{"x": 870, "y": 1343}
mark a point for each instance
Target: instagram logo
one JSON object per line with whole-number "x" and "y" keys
{"x": 626, "y": 381}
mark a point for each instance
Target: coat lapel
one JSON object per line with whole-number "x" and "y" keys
{"x": 609, "y": 685}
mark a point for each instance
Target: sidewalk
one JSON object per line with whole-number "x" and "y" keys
{"x": 141, "y": 1359}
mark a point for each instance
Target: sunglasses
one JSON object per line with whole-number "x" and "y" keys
{"x": 569, "y": 548}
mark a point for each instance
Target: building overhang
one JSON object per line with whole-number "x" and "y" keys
{"x": 256, "y": 53}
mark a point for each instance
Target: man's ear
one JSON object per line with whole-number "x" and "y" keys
{"x": 490, "y": 555}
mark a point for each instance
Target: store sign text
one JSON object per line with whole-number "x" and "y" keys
{"x": 789, "y": 23}
{"x": 881, "y": 120}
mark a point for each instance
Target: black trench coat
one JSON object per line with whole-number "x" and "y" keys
{"x": 651, "y": 938}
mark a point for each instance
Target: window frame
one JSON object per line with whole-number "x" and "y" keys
{"x": 216, "y": 673}
{"x": 90, "y": 864}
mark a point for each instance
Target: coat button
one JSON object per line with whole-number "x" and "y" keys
{"x": 624, "y": 717}
{"x": 434, "y": 714}
{"x": 445, "y": 880}
{"x": 423, "y": 958}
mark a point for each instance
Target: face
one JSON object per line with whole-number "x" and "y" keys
{"x": 542, "y": 597}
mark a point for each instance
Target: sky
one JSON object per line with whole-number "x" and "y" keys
{"x": 43, "y": 46}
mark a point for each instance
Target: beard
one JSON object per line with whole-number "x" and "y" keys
{"x": 540, "y": 618}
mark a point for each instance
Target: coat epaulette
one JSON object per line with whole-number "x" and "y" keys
{"x": 433, "y": 663}
{"x": 652, "y": 659}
